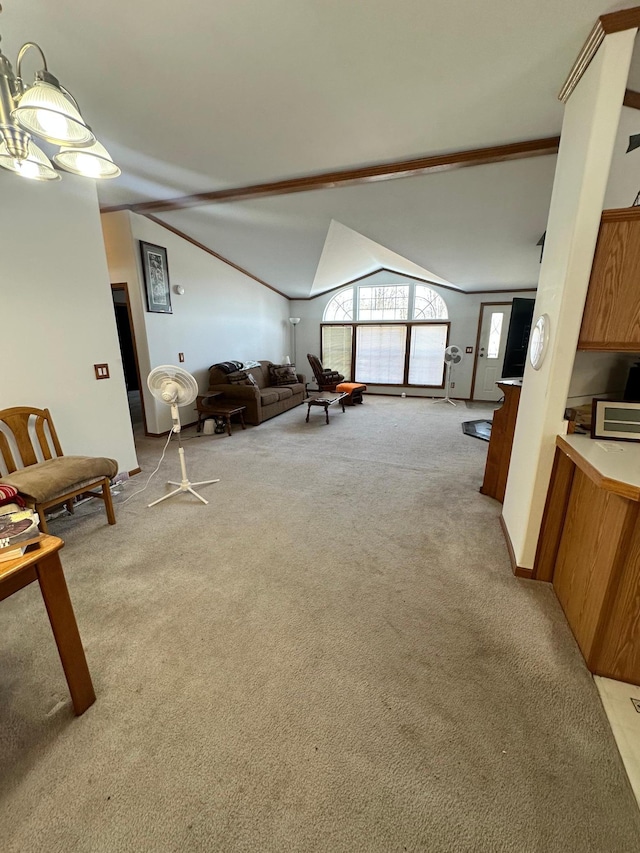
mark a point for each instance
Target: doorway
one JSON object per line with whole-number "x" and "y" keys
{"x": 493, "y": 325}
{"x": 127, "y": 341}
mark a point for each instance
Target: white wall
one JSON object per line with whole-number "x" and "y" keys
{"x": 224, "y": 314}
{"x": 586, "y": 149}
{"x": 57, "y": 317}
{"x": 463, "y": 309}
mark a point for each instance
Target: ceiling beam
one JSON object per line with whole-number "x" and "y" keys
{"x": 362, "y": 175}
{"x": 632, "y": 99}
{"x": 624, "y": 19}
{"x": 209, "y": 251}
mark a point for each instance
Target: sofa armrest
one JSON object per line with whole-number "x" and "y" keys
{"x": 301, "y": 378}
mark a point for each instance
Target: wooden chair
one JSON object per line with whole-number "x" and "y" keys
{"x": 326, "y": 379}
{"x": 43, "y": 475}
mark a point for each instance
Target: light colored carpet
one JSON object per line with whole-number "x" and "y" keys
{"x": 332, "y": 655}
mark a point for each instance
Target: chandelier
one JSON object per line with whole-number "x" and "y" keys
{"x": 45, "y": 110}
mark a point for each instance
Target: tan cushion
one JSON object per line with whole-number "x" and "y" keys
{"x": 283, "y": 393}
{"x": 48, "y": 480}
{"x": 268, "y": 396}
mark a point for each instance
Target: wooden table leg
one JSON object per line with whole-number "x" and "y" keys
{"x": 228, "y": 420}
{"x": 65, "y": 630}
{"x": 326, "y": 412}
{"x": 308, "y": 412}
{"x": 242, "y": 420}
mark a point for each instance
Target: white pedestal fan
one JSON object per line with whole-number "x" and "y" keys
{"x": 175, "y": 387}
{"x": 452, "y": 355}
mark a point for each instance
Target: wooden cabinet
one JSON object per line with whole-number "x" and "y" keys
{"x": 502, "y": 430}
{"x": 589, "y": 548}
{"x": 611, "y": 319}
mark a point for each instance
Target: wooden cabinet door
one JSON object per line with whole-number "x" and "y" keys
{"x": 611, "y": 319}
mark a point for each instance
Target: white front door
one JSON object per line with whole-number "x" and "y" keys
{"x": 492, "y": 343}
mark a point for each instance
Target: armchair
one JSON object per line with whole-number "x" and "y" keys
{"x": 326, "y": 379}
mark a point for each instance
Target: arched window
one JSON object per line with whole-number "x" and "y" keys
{"x": 340, "y": 308}
{"x": 387, "y": 334}
{"x": 428, "y": 305}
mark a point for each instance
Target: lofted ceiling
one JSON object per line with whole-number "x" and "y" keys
{"x": 202, "y": 96}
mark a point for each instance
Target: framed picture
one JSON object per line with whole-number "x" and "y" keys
{"x": 615, "y": 419}
{"x": 156, "y": 278}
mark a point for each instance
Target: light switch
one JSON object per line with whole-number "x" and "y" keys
{"x": 181, "y": 356}
{"x": 102, "y": 371}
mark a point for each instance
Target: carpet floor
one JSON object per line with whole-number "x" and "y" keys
{"x": 333, "y": 655}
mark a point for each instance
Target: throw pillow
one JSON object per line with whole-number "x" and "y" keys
{"x": 9, "y": 495}
{"x": 282, "y": 374}
{"x": 238, "y": 377}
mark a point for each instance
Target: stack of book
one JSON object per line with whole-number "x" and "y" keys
{"x": 18, "y": 530}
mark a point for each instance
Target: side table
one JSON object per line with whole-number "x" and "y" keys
{"x": 42, "y": 563}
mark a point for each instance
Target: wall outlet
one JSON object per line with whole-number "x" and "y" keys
{"x": 180, "y": 356}
{"x": 453, "y": 385}
{"x": 469, "y": 350}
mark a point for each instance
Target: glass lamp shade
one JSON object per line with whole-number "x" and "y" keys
{"x": 92, "y": 162}
{"x": 36, "y": 166}
{"x": 46, "y": 111}
{"x": 294, "y": 320}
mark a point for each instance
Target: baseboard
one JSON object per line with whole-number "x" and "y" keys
{"x": 517, "y": 570}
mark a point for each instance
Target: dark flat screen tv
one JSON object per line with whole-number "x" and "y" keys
{"x": 515, "y": 354}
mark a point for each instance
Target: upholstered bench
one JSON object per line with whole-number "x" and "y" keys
{"x": 354, "y": 390}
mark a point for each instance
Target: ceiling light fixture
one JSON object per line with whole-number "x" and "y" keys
{"x": 47, "y": 111}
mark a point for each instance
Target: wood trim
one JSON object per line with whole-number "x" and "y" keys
{"x": 415, "y": 278}
{"x": 631, "y": 99}
{"x": 621, "y": 214}
{"x": 361, "y": 175}
{"x": 475, "y": 357}
{"x": 582, "y": 61}
{"x": 135, "y": 471}
{"x": 612, "y": 22}
{"x": 617, "y": 487}
{"x": 553, "y": 517}
{"x": 124, "y": 287}
{"x": 209, "y": 251}
{"x": 517, "y": 570}
{"x": 625, "y": 19}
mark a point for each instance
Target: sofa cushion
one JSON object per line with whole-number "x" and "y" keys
{"x": 48, "y": 480}
{"x": 268, "y": 396}
{"x": 284, "y": 392}
{"x": 282, "y": 374}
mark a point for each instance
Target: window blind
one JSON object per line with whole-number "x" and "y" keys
{"x": 380, "y": 352}
{"x": 336, "y": 348}
{"x": 426, "y": 356}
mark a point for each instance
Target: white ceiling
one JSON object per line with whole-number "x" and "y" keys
{"x": 199, "y": 96}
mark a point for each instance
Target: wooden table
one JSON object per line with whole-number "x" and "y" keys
{"x": 42, "y": 563}
{"x": 210, "y": 406}
{"x": 326, "y": 399}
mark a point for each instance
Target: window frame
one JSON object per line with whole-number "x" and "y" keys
{"x": 409, "y": 324}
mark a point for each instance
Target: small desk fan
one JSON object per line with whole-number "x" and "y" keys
{"x": 175, "y": 387}
{"x": 452, "y": 355}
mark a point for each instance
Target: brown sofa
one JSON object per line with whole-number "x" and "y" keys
{"x": 262, "y": 402}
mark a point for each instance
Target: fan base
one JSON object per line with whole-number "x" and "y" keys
{"x": 185, "y": 486}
